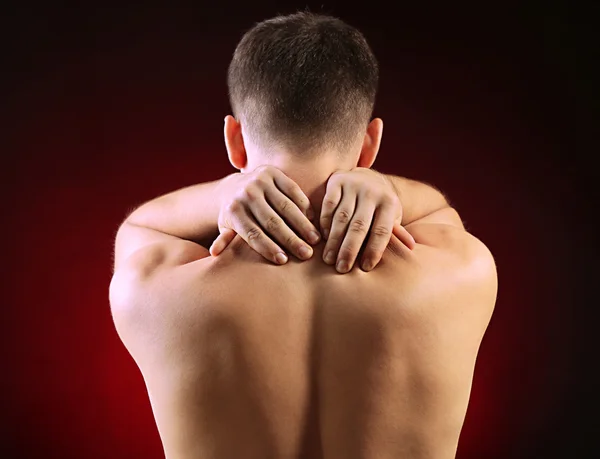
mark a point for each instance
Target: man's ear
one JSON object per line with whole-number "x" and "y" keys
{"x": 371, "y": 143}
{"x": 234, "y": 142}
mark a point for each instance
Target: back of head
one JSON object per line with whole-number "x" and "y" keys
{"x": 303, "y": 82}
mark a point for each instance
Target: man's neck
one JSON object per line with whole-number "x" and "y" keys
{"x": 311, "y": 176}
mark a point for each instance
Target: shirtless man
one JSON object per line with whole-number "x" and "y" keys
{"x": 246, "y": 355}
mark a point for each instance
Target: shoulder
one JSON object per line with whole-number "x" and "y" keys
{"x": 438, "y": 241}
{"x": 452, "y": 271}
{"x": 154, "y": 283}
{"x": 149, "y": 268}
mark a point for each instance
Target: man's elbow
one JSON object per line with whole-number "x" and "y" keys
{"x": 444, "y": 216}
{"x": 122, "y": 297}
{"x": 451, "y": 216}
{"x": 483, "y": 273}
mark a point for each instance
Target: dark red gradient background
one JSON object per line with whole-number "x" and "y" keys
{"x": 107, "y": 108}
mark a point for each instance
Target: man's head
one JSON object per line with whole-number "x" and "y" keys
{"x": 302, "y": 85}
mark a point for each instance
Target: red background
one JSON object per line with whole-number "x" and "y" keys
{"x": 107, "y": 108}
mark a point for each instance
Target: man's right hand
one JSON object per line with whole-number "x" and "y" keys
{"x": 260, "y": 199}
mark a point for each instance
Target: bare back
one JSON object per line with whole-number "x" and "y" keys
{"x": 298, "y": 361}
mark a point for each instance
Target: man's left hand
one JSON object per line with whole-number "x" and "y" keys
{"x": 359, "y": 203}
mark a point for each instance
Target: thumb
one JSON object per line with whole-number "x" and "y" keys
{"x": 403, "y": 235}
{"x": 222, "y": 241}
{"x": 397, "y": 227}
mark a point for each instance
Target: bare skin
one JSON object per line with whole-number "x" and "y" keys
{"x": 297, "y": 361}
{"x": 246, "y": 358}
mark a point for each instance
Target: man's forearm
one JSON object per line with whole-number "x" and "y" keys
{"x": 192, "y": 213}
{"x": 189, "y": 213}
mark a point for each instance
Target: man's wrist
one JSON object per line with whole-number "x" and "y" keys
{"x": 225, "y": 189}
{"x": 390, "y": 182}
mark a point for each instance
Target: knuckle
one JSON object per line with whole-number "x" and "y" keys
{"x": 297, "y": 191}
{"x": 381, "y": 230}
{"x": 334, "y": 185}
{"x": 369, "y": 193}
{"x": 272, "y": 224}
{"x": 257, "y": 181}
{"x": 253, "y": 234}
{"x": 337, "y": 175}
{"x": 285, "y": 206}
{"x": 358, "y": 226}
{"x": 343, "y": 216}
{"x": 329, "y": 202}
{"x": 291, "y": 241}
{"x": 262, "y": 180}
{"x": 234, "y": 206}
{"x": 391, "y": 199}
{"x": 250, "y": 193}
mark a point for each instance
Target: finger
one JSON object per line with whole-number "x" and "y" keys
{"x": 357, "y": 232}
{"x": 251, "y": 232}
{"x": 292, "y": 216}
{"x": 405, "y": 237}
{"x": 379, "y": 236}
{"x": 222, "y": 241}
{"x": 331, "y": 200}
{"x": 276, "y": 228}
{"x": 339, "y": 226}
{"x": 291, "y": 189}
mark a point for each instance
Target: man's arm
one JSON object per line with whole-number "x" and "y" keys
{"x": 363, "y": 203}
{"x": 420, "y": 200}
{"x": 163, "y": 248}
{"x": 185, "y": 215}
{"x": 191, "y": 214}
{"x": 195, "y": 214}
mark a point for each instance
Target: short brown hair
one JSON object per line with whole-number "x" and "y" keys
{"x": 305, "y": 81}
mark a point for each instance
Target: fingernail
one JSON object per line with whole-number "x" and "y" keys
{"x": 305, "y": 252}
{"x": 329, "y": 257}
{"x": 314, "y": 237}
{"x": 281, "y": 258}
{"x": 342, "y": 266}
{"x": 367, "y": 265}
{"x": 325, "y": 233}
